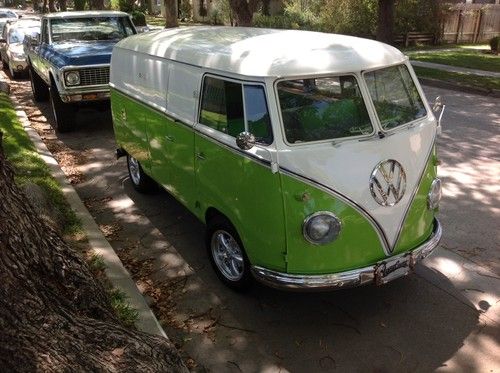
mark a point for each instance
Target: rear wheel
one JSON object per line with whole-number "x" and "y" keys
{"x": 38, "y": 86}
{"x": 227, "y": 254}
{"x": 64, "y": 114}
{"x": 141, "y": 182}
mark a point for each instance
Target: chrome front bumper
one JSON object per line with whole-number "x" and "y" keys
{"x": 379, "y": 273}
{"x": 82, "y": 94}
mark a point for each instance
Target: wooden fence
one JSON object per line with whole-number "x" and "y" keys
{"x": 471, "y": 23}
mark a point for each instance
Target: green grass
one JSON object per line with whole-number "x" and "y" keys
{"x": 96, "y": 263}
{"x": 470, "y": 58}
{"x": 124, "y": 311}
{"x": 155, "y": 21}
{"x": 29, "y": 167}
{"x": 467, "y": 80}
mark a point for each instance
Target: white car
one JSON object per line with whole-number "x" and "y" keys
{"x": 6, "y": 15}
{"x": 11, "y": 44}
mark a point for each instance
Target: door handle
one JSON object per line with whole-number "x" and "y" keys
{"x": 200, "y": 155}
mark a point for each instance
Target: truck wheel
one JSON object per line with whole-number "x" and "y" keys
{"x": 227, "y": 254}
{"x": 13, "y": 74}
{"x": 141, "y": 182}
{"x": 64, "y": 114}
{"x": 38, "y": 86}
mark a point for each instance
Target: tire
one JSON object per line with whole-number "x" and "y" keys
{"x": 38, "y": 87}
{"x": 227, "y": 254}
{"x": 64, "y": 114}
{"x": 141, "y": 182}
{"x": 5, "y": 65}
{"x": 13, "y": 74}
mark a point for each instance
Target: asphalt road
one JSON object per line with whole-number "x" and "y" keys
{"x": 445, "y": 317}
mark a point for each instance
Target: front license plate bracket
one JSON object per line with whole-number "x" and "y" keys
{"x": 387, "y": 271}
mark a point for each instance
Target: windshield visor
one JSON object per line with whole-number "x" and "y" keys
{"x": 318, "y": 109}
{"x": 395, "y": 96}
{"x": 90, "y": 28}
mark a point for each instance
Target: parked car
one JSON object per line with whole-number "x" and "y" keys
{"x": 6, "y": 15}
{"x": 69, "y": 60}
{"x": 11, "y": 44}
{"x": 310, "y": 157}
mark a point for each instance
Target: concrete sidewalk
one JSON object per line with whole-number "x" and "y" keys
{"x": 455, "y": 69}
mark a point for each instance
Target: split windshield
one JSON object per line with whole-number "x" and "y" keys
{"x": 90, "y": 28}
{"x": 319, "y": 109}
{"x": 394, "y": 96}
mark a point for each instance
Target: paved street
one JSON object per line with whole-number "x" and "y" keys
{"x": 445, "y": 317}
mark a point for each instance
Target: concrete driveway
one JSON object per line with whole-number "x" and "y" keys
{"x": 445, "y": 317}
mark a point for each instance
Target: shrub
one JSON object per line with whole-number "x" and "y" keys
{"x": 495, "y": 44}
{"x": 126, "y": 5}
{"x": 139, "y": 18}
{"x": 80, "y": 4}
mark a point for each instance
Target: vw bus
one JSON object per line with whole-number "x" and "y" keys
{"x": 310, "y": 157}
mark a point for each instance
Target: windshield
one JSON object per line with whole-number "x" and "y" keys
{"x": 319, "y": 109}
{"x": 7, "y": 14}
{"x": 95, "y": 28}
{"x": 395, "y": 96}
{"x": 17, "y": 35}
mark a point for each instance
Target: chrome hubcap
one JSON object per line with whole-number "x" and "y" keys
{"x": 135, "y": 172}
{"x": 227, "y": 255}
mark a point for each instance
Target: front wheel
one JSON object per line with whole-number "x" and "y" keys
{"x": 38, "y": 86}
{"x": 227, "y": 254}
{"x": 64, "y": 114}
{"x": 141, "y": 182}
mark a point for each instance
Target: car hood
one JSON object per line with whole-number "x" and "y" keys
{"x": 16, "y": 48}
{"x": 78, "y": 53}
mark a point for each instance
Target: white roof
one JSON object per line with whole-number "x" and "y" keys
{"x": 264, "y": 52}
{"x": 86, "y": 13}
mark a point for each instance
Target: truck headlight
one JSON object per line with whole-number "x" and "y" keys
{"x": 435, "y": 194}
{"x": 72, "y": 78}
{"x": 321, "y": 228}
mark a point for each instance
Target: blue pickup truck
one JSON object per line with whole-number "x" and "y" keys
{"x": 69, "y": 60}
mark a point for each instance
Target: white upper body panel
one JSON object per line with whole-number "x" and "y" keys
{"x": 257, "y": 52}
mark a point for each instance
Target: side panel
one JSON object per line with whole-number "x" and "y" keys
{"x": 130, "y": 127}
{"x": 419, "y": 221}
{"x": 358, "y": 244}
{"x": 248, "y": 193}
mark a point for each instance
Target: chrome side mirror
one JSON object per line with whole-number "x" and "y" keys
{"x": 438, "y": 105}
{"x": 245, "y": 141}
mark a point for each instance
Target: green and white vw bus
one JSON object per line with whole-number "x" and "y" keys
{"x": 309, "y": 156}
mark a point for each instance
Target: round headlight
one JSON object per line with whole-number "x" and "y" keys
{"x": 434, "y": 195}
{"x": 321, "y": 227}
{"x": 72, "y": 78}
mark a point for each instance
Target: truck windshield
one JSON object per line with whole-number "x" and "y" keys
{"x": 318, "y": 109}
{"x": 90, "y": 28}
{"x": 395, "y": 96}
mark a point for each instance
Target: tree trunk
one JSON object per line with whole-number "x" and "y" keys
{"x": 52, "y": 6}
{"x": 54, "y": 316}
{"x": 385, "y": 21}
{"x": 62, "y": 5}
{"x": 243, "y": 11}
{"x": 96, "y": 4}
{"x": 171, "y": 13}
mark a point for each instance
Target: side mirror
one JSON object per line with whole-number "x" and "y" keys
{"x": 439, "y": 106}
{"x": 34, "y": 39}
{"x": 245, "y": 141}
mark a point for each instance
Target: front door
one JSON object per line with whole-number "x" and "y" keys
{"x": 240, "y": 183}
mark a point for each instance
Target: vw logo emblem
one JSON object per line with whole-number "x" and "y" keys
{"x": 388, "y": 182}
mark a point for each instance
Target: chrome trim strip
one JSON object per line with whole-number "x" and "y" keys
{"x": 347, "y": 200}
{"x": 352, "y": 278}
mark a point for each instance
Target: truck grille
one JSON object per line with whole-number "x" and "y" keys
{"x": 94, "y": 75}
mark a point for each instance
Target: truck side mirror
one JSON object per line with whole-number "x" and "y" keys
{"x": 439, "y": 106}
{"x": 245, "y": 141}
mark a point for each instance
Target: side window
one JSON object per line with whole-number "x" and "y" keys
{"x": 225, "y": 104}
{"x": 222, "y": 106}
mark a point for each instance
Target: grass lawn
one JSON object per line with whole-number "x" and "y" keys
{"x": 29, "y": 167}
{"x": 155, "y": 20}
{"x": 461, "y": 57}
{"x": 473, "y": 81}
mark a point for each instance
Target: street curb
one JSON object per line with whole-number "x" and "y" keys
{"x": 115, "y": 271}
{"x": 458, "y": 87}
